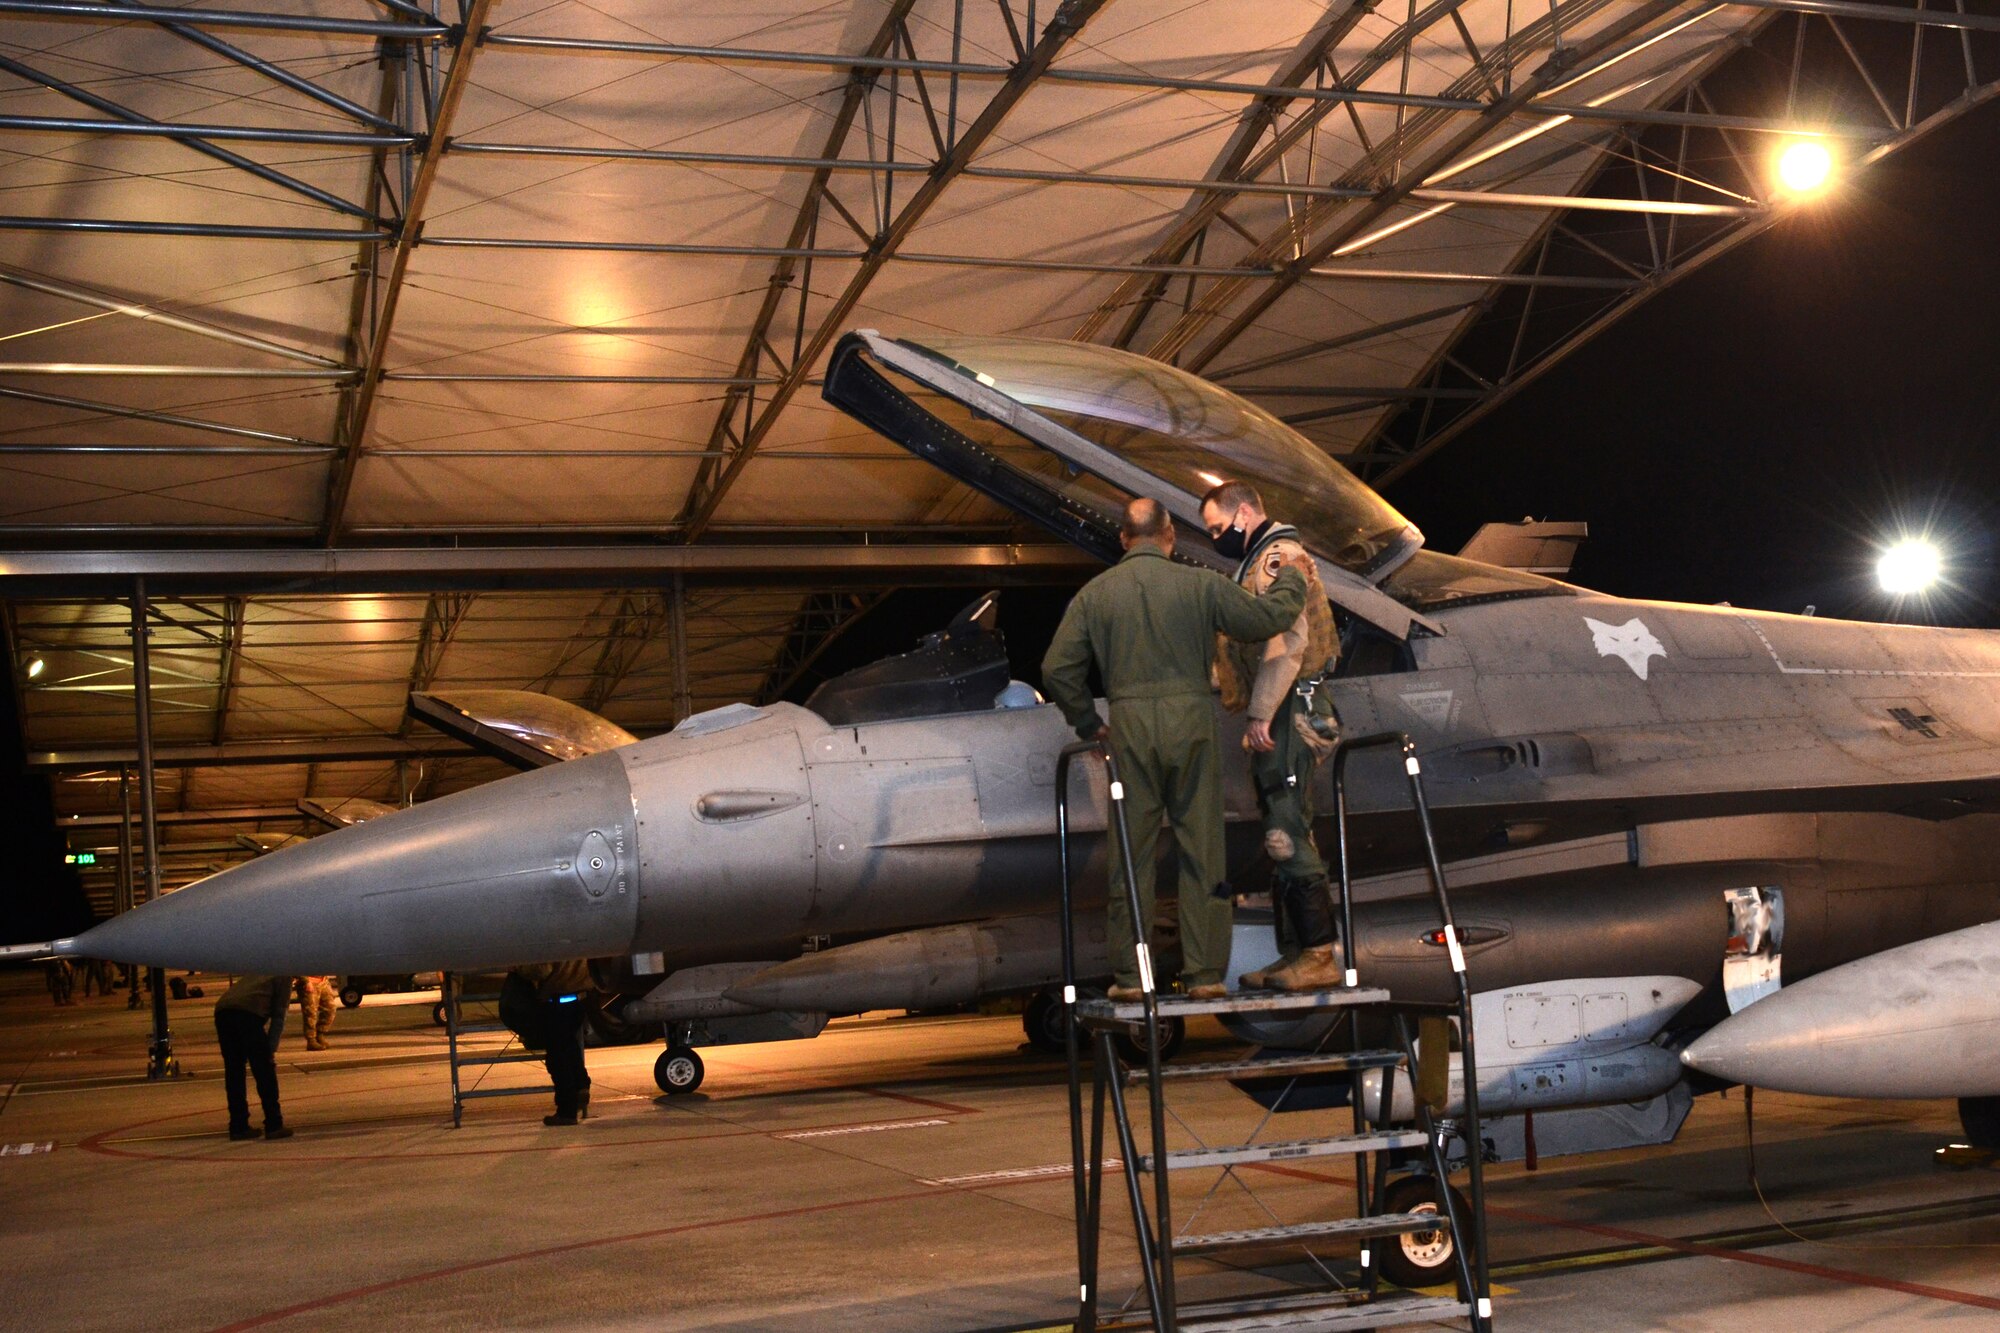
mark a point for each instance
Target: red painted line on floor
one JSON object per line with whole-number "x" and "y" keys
{"x": 918, "y": 1101}
{"x": 100, "y": 1144}
{"x": 1845, "y": 1276}
{"x": 550, "y": 1251}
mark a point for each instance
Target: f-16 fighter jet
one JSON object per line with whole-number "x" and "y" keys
{"x": 1687, "y": 845}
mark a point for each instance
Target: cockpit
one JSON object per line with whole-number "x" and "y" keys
{"x": 1064, "y": 433}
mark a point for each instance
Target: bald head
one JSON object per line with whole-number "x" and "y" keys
{"x": 1147, "y": 520}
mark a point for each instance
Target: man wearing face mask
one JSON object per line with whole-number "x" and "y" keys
{"x": 1149, "y": 627}
{"x": 1291, "y": 728}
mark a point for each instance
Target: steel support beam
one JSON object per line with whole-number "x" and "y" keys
{"x": 1641, "y": 292}
{"x": 243, "y": 814}
{"x": 280, "y": 75}
{"x": 132, "y": 122}
{"x": 201, "y": 329}
{"x": 207, "y": 230}
{"x": 29, "y": 573}
{"x": 361, "y": 403}
{"x": 712, "y": 485}
{"x": 229, "y": 669}
{"x": 133, "y": 370}
{"x": 822, "y": 621}
{"x": 1877, "y": 13}
{"x": 677, "y": 628}
{"x": 160, "y": 1062}
{"x": 785, "y": 272}
{"x": 238, "y": 754}
{"x": 641, "y": 618}
{"x": 173, "y": 130}
{"x": 388, "y": 30}
{"x": 1364, "y": 218}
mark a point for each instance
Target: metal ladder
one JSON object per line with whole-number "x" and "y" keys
{"x": 454, "y": 1028}
{"x": 1323, "y": 1311}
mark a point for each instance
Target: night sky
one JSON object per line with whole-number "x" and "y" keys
{"x": 1752, "y": 435}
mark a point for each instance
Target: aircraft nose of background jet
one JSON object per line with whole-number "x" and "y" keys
{"x": 535, "y": 867}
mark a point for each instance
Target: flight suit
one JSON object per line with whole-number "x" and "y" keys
{"x": 316, "y": 1004}
{"x": 1300, "y": 898}
{"x": 1150, "y": 626}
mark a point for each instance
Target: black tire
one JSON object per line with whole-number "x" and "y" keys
{"x": 350, "y": 998}
{"x": 678, "y": 1070}
{"x": 1420, "y": 1258}
{"x": 438, "y": 1014}
{"x": 1174, "y": 1032}
{"x": 1042, "y": 1021}
{"x": 1980, "y": 1118}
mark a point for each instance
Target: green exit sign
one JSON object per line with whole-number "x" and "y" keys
{"x": 80, "y": 859}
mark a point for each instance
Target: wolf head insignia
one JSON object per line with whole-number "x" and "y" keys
{"x": 1631, "y": 641}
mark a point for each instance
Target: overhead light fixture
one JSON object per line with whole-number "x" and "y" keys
{"x": 1805, "y": 166}
{"x": 1910, "y": 567}
{"x": 36, "y": 667}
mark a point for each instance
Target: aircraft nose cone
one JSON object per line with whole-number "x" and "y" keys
{"x": 535, "y": 867}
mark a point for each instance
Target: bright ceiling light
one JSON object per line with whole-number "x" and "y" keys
{"x": 1910, "y": 566}
{"x": 36, "y": 667}
{"x": 1804, "y": 166}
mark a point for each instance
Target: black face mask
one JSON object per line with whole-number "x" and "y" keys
{"x": 1232, "y": 544}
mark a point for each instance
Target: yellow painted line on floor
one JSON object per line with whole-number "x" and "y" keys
{"x": 1449, "y": 1290}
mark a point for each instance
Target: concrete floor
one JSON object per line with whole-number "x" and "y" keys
{"x": 883, "y": 1177}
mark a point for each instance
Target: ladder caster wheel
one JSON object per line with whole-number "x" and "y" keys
{"x": 1042, "y": 1021}
{"x": 678, "y": 1070}
{"x": 350, "y": 998}
{"x": 438, "y": 1015}
{"x": 1419, "y": 1258}
{"x": 1173, "y": 1031}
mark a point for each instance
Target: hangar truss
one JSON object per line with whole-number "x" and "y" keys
{"x": 475, "y": 342}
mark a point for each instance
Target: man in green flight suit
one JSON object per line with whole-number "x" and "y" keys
{"x": 1150, "y": 625}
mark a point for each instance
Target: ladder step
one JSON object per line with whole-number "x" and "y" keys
{"x": 1099, "y": 1013}
{"x": 518, "y": 1058}
{"x": 473, "y": 1029}
{"x": 1289, "y": 1066}
{"x": 1334, "y": 1317}
{"x": 473, "y": 1094}
{"x": 1340, "y": 1145}
{"x": 1382, "y": 1224}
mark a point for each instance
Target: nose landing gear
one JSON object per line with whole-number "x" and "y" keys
{"x": 678, "y": 1070}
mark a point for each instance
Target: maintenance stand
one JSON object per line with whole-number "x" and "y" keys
{"x": 1370, "y": 1143}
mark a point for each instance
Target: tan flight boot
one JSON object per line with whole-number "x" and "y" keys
{"x": 1315, "y": 969}
{"x": 1261, "y": 978}
{"x": 1207, "y": 990}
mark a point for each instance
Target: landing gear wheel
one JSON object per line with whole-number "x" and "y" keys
{"x": 1420, "y": 1258}
{"x": 350, "y": 998}
{"x": 1173, "y": 1031}
{"x": 1980, "y": 1118}
{"x": 438, "y": 1014}
{"x": 678, "y": 1070}
{"x": 1043, "y": 1022}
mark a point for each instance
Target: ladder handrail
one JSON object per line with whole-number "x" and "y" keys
{"x": 1156, "y": 1260}
{"x": 1479, "y": 1295}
